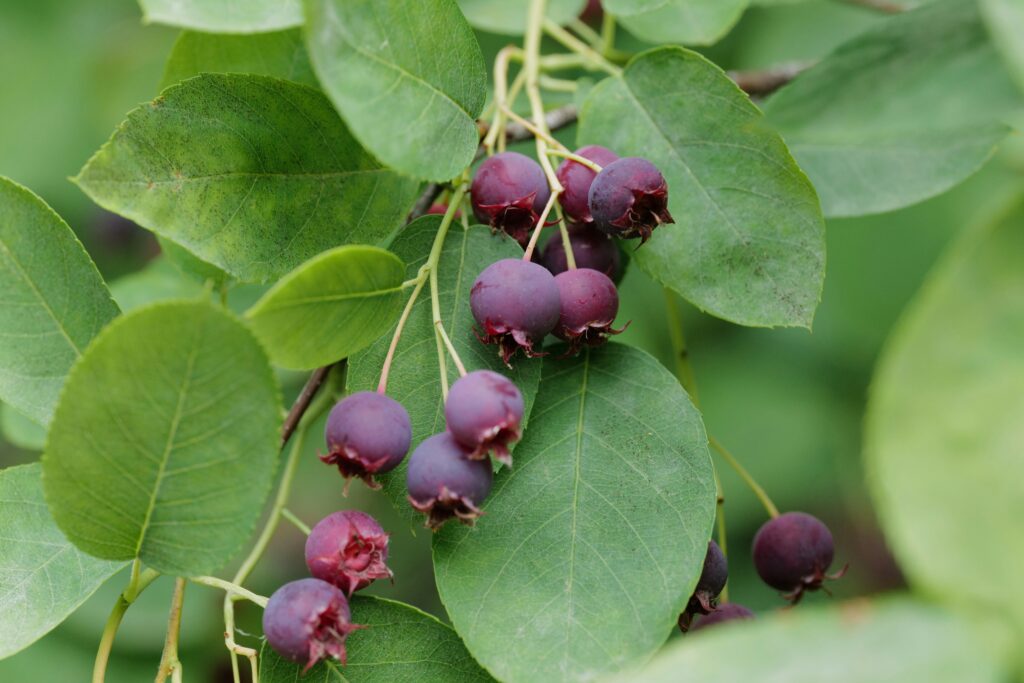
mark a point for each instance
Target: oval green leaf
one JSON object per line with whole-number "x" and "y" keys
{"x": 224, "y": 16}
{"x": 415, "y": 379}
{"x": 164, "y": 443}
{"x": 52, "y": 301}
{"x": 329, "y": 308}
{"x": 400, "y": 644}
{"x": 408, "y": 78}
{"x": 508, "y": 17}
{"x": 252, "y": 174}
{"x": 944, "y": 432}
{"x": 158, "y": 281}
{"x": 749, "y": 240}
{"x": 280, "y": 54}
{"x": 590, "y": 546}
{"x": 43, "y": 578}
{"x": 1005, "y": 21}
{"x": 690, "y": 22}
{"x": 876, "y": 125}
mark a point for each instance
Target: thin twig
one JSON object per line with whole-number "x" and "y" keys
{"x": 430, "y": 194}
{"x": 762, "y": 82}
{"x": 301, "y": 404}
{"x": 170, "y": 665}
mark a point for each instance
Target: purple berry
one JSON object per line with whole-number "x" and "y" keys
{"x": 577, "y": 178}
{"x": 444, "y": 482}
{"x": 308, "y": 620}
{"x": 367, "y": 433}
{"x": 793, "y": 552}
{"x": 483, "y": 412}
{"x": 711, "y": 582}
{"x": 589, "y": 303}
{"x": 516, "y": 303}
{"x": 349, "y": 549}
{"x": 730, "y": 611}
{"x": 629, "y": 198}
{"x": 509, "y": 192}
{"x": 592, "y": 249}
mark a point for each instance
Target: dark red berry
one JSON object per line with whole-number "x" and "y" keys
{"x": 793, "y": 552}
{"x": 444, "y": 482}
{"x": 508, "y": 193}
{"x": 441, "y": 209}
{"x": 349, "y": 549}
{"x": 729, "y": 611}
{"x": 516, "y": 303}
{"x": 592, "y": 12}
{"x": 591, "y": 248}
{"x": 577, "y": 178}
{"x": 711, "y": 582}
{"x": 629, "y": 198}
{"x": 589, "y": 304}
{"x": 308, "y": 620}
{"x": 483, "y": 412}
{"x": 367, "y": 433}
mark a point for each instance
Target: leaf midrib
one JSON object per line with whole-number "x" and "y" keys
{"x": 327, "y": 298}
{"x": 575, "y": 507}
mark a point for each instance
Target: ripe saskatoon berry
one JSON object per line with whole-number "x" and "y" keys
{"x": 792, "y": 553}
{"x": 730, "y": 611}
{"x": 508, "y": 193}
{"x": 367, "y": 433}
{"x": 444, "y": 482}
{"x": 589, "y": 303}
{"x": 629, "y": 198}
{"x": 592, "y": 249}
{"x": 484, "y": 411}
{"x": 516, "y": 303}
{"x": 308, "y": 620}
{"x": 711, "y": 582}
{"x": 349, "y": 549}
{"x": 577, "y": 178}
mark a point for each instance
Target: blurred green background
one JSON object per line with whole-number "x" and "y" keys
{"x": 788, "y": 403}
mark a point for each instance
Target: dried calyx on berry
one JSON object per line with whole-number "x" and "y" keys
{"x": 445, "y": 483}
{"x": 793, "y": 552}
{"x": 484, "y": 411}
{"x": 726, "y": 612}
{"x": 348, "y": 549}
{"x": 589, "y": 303}
{"x": 713, "y": 577}
{"x": 591, "y": 248}
{"x": 367, "y": 433}
{"x": 629, "y": 198}
{"x": 508, "y": 193}
{"x": 308, "y": 620}
{"x": 576, "y": 180}
{"x": 516, "y": 304}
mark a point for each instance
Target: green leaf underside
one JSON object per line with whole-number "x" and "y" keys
{"x": 407, "y": 77}
{"x": 43, "y": 578}
{"x": 280, "y": 54}
{"x": 508, "y": 17}
{"x": 330, "y": 307}
{"x": 415, "y": 379}
{"x": 891, "y": 641}
{"x": 691, "y": 22}
{"x": 876, "y": 126}
{"x": 164, "y": 443}
{"x": 944, "y": 432}
{"x": 748, "y": 244}
{"x": 158, "y": 281}
{"x": 20, "y": 430}
{"x": 52, "y": 302}
{"x": 224, "y": 16}
{"x": 590, "y": 546}
{"x": 250, "y": 173}
{"x": 401, "y": 644}
{"x": 1005, "y": 21}
{"x": 189, "y": 264}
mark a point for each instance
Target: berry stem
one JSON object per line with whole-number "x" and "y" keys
{"x": 421, "y": 279}
{"x": 594, "y": 58}
{"x": 231, "y": 588}
{"x": 298, "y": 523}
{"x": 528, "y": 254}
{"x": 607, "y": 34}
{"x": 170, "y": 665}
{"x": 558, "y": 84}
{"x": 570, "y": 257}
{"x": 773, "y": 511}
{"x": 502, "y": 96}
{"x": 720, "y": 524}
{"x": 535, "y": 130}
{"x": 584, "y": 31}
{"x": 136, "y": 584}
{"x": 435, "y": 299}
{"x": 451, "y": 349}
{"x": 684, "y": 371}
{"x": 562, "y": 152}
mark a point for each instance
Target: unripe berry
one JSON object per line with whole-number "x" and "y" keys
{"x": 577, "y": 178}
{"x": 629, "y": 198}
{"x": 483, "y": 412}
{"x": 348, "y": 549}
{"x": 793, "y": 553}
{"x": 589, "y": 304}
{"x": 730, "y": 611}
{"x": 444, "y": 482}
{"x": 308, "y": 620}
{"x": 590, "y": 247}
{"x": 508, "y": 193}
{"x": 367, "y": 433}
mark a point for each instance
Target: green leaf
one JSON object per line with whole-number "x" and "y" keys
{"x": 1005, "y": 20}
{"x": 590, "y": 546}
{"x": 876, "y": 124}
{"x": 52, "y": 301}
{"x": 890, "y": 641}
{"x": 748, "y": 244}
{"x": 691, "y": 22}
{"x": 224, "y": 16}
{"x": 944, "y": 428}
{"x": 330, "y": 307}
{"x": 164, "y": 443}
{"x": 401, "y": 644}
{"x": 252, "y": 174}
{"x": 43, "y": 578}
{"x": 20, "y": 430}
{"x": 158, "y": 281}
{"x": 280, "y": 54}
{"x": 191, "y": 265}
{"x": 415, "y": 380}
{"x": 408, "y": 78}
{"x": 508, "y": 17}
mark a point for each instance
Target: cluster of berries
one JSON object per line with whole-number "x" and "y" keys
{"x": 309, "y": 619}
{"x": 791, "y": 553}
